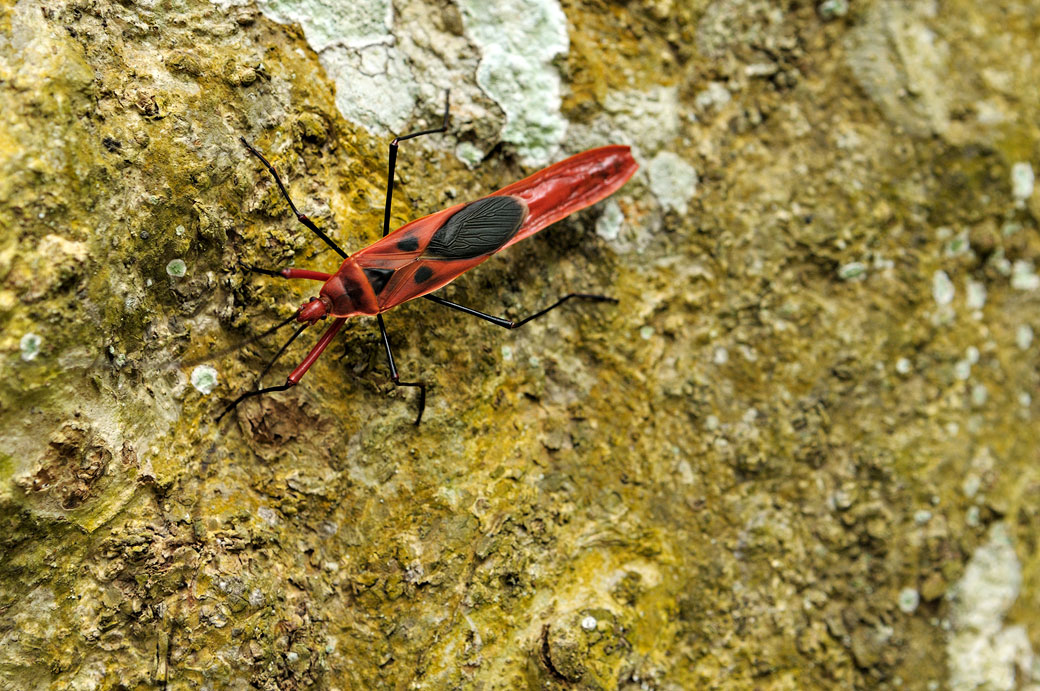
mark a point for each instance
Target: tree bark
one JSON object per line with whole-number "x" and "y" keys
{"x": 801, "y": 452}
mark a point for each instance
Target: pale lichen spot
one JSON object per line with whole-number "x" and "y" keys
{"x": 979, "y": 395}
{"x": 832, "y": 9}
{"x": 1023, "y": 276}
{"x": 177, "y": 268}
{"x": 852, "y": 271}
{"x": 716, "y": 94}
{"x": 646, "y": 332}
{"x": 672, "y": 180}
{"x": 958, "y": 245}
{"x": 909, "y": 599}
{"x": 30, "y": 346}
{"x": 470, "y": 154}
{"x": 268, "y": 515}
{"x": 1022, "y": 181}
{"x": 608, "y": 225}
{"x": 1024, "y": 336}
{"x": 942, "y": 288}
{"x": 204, "y": 379}
{"x": 975, "y": 294}
{"x": 971, "y": 485}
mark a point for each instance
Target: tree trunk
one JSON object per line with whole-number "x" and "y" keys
{"x": 800, "y": 452}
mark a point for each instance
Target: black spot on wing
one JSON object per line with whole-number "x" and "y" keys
{"x": 409, "y": 244}
{"x": 378, "y": 278}
{"x": 477, "y": 229}
{"x": 423, "y": 274}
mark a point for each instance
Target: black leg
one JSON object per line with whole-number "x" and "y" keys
{"x": 393, "y": 371}
{"x": 267, "y": 369}
{"x": 393, "y": 160}
{"x": 506, "y": 323}
{"x": 257, "y": 270}
{"x": 250, "y": 394}
{"x": 302, "y": 218}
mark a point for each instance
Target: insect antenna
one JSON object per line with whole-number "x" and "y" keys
{"x": 238, "y": 346}
{"x": 280, "y": 351}
{"x": 258, "y": 390}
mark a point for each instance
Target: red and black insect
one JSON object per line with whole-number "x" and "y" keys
{"x": 428, "y": 253}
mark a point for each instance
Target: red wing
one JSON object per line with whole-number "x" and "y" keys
{"x": 570, "y": 185}
{"x": 432, "y": 251}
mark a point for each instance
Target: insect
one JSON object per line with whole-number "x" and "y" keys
{"x": 428, "y": 253}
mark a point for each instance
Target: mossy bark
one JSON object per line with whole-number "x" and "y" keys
{"x": 768, "y": 466}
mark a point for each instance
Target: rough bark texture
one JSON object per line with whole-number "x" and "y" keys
{"x": 802, "y": 452}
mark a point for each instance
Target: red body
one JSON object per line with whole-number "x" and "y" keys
{"x": 404, "y": 266}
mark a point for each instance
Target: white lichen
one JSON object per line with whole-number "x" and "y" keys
{"x": 975, "y": 294}
{"x": 375, "y": 86}
{"x": 672, "y": 180}
{"x": 1023, "y": 276}
{"x": 957, "y": 245}
{"x": 204, "y": 379}
{"x": 942, "y": 288}
{"x": 470, "y": 154}
{"x": 29, "y": 346}
{"x": 832, "y": 9}
{"x": 176, "y": 268}
{"x": 518, "y": 41}
{"x": 852, "y": 271}
{"x": 608, "y": 225}
{"x": 983, "y": 652}
{"x": 1024, "y": 336}
{"x": 979, "y": 395}
{"x": 1022, "y": 181}
{"x": 716, "y": 94}
{"x": 909, "y": 599}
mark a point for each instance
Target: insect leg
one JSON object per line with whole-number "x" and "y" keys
{"x": 301, "y": 369}
{"x": 287, "y": 273}
{"x": 508, "y": 324}
{"x": 392, "y": 162}
{"x": 250, "y": 394}
{"x": 302, "y": 218}
{"x": 394, "y": 377}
